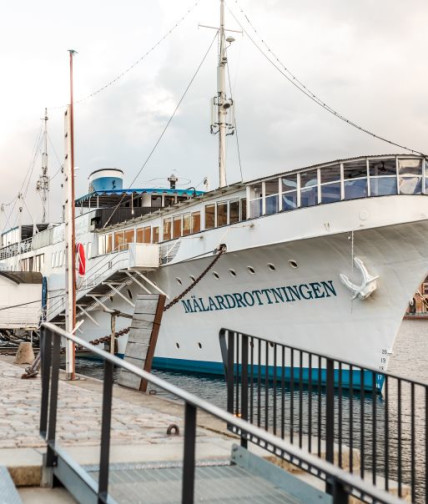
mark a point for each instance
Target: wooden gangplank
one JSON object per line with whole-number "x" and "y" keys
{"x": 142, "y": 338}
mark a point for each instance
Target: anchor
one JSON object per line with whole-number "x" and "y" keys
{"x": 367, "y": 287}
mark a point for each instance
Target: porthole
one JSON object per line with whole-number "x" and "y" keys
{"x": 177, "y": 345}
{"x": 200, "y": 345}
{"x": 271, "y": 267}
{"x": 192, "y": 278}
{"x": 251, "y": 270}
{"x": 232, "y": 272}
{"x": 179, "y": 281}
{"x": 292, "y": 263}
{"x": 111, "y": 299}
{"x": 216, "y": 274}
{"x": 130, "y": 294}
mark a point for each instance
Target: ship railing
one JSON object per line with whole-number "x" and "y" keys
{"x": 362, "y": 419}
{"x": 101, "y": 270}
{"x": 60, "y": 465}
{"x": 16, "y": 249}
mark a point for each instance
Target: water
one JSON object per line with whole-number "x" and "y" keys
{"x": 410, "y": 359}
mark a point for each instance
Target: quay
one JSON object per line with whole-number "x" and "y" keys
{"x": 107, "y": 443}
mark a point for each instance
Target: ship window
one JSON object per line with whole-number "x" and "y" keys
{"x": 256, "y": 206}
{"x": 167, "y": 229}
{"x": 109, "y": 243}
{"x": 289, "y": 182}
{"x": 232, "y": 272}
{"x": 289, "y": 200}
{"x": 143, "y": 235}
{"x": 156, "y": 201}
{"x": 355, "y": 175}
{"x": 169, "y": 201}
{"x": 383, "y": 179}
{"x": 382, "y": 168}
{"x": 293, "y": 263}
{"x": 196, "y": 222}
{"x": 330, "y": 184}
{"x": 251, "y": 270}
{"x": 309, "y": 178}
{"x": 233, "y": 212}
{"x": 243, "y": 209}
{"x": 271, "y": 196}
{"x": 221, "y": 214}
{"x": 209, "y": 217}
{"x": 330, "y": 173}
{"x": 156, "y": 234}
{"x": 271, "y": 267}
{"x": 176, "y": 229}
{"x": 410, "y": 171}
{"x": 119, "y": 241}
{"x": 186, "y": 224}
{"x": 216, "y": 275}
{"x": 89, "y": 250}
{"x": 331, "y": 192}
{"x": 128, "y": 237}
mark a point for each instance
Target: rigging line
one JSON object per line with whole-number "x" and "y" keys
{"x": 305, "y": 90}
{"x": 236, "y": 127}
{"x": 165, "y": 128}
{"x": 34, "y": 151}
{"x": 138, "y": 61}
{"x": 57, "y": 158}
{"x": 10, "y": 215}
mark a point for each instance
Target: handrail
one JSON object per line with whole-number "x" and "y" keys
{"x": 342, "y": 483}
{"x": 334, "y": 405}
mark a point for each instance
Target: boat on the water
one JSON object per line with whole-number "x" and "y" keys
{"x": 324, "y": 257}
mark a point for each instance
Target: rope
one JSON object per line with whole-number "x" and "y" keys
{"x": 164, "y": 130}
{"x": 285, "y": 72}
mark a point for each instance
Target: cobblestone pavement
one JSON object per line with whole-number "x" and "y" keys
{"x": 79, "y": 414}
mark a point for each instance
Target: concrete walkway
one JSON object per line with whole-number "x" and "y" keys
{"x": 139, "y": 425}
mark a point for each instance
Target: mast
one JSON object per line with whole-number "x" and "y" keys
{"x": 70, "y": 269}
{"x": 221, "y": 105}
{"x": 43, "y": 182}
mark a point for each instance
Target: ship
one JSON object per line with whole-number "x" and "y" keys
{"x": 323, "y": 257}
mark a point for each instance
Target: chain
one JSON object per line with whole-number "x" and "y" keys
{"x": 220, "y": 251}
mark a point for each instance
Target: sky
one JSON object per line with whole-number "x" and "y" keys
{"x": 366, "y": 59}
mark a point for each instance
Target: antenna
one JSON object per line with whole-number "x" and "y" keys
{"x": 42, "y": 185}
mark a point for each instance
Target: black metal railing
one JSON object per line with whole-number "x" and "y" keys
{"x": 58, "y": 464}
{"x": 366, "y": 421}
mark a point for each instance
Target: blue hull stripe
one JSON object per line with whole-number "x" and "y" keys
{"x": 217, "y": 369}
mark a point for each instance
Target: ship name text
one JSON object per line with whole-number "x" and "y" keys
{"x": 260, "y": 297}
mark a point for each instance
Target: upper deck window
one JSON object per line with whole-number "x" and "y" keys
{"x": 410, "y": 176}
{"x": 270, "y": 192}
{"x": 209, "y": 216}
{"x": 383, "y": 177}
{"x": 309, "y": 188}
{"x": 355, "y": 179}
{"x": 331, "y": 187}
{"x": 222, "y": 214}
{"x": 289, "y": 191}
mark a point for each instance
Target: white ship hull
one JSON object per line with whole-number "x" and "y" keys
{"x": 325, "y": 319}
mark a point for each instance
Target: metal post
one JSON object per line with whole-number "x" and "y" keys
{"x": 188, "y": 488}
{"x": 50, "y": 459}
{"x": 45, "y": 355}
{"x": 244, "y": 386}
{"x": 105, "y": 433}
{"x": 340, "y": 495}
{"x": 230, "y": 370}
{"x": 329, "y": 441}
{"x": 113, "y": 333}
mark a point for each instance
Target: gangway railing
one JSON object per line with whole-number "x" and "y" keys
{"x": 59, "y": 464}
{"x": 366, "y": 420}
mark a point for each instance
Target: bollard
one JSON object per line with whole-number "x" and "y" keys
{"x": 25, "y": 354}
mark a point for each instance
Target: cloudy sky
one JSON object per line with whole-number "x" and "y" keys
{"x": 366, "y": 58}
